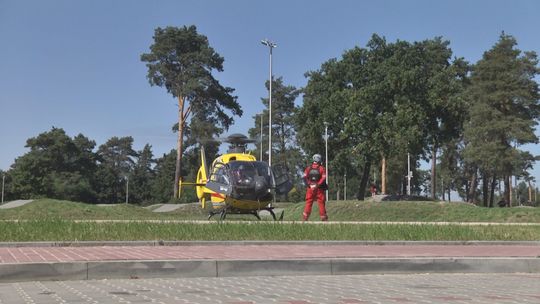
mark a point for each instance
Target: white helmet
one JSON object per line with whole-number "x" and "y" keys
{"x": 317, "y": 158}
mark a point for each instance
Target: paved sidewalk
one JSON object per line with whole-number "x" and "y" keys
{"x": 44, "y": 261}
{"x": 15, "y": 255}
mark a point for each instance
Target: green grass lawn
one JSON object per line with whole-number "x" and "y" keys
{"x": 54, "y": 220}
{"x": 44, "y": 209}
{"x": 337, "y": 211}
{"x": 220, "y": 231}
{"x": 418, "y": 212}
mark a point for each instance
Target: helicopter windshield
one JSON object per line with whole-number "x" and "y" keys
{"x": 244, "y": 172}
{"x": 250, "y": 179}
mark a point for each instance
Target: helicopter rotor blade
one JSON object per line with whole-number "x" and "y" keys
{"x": 234, "y": 139}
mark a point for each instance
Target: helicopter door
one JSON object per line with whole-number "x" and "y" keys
{"x": 282, "y": 181}
{"x": 219, "y": 180}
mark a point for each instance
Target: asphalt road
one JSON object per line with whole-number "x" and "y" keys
{"x": 346, "y": 289}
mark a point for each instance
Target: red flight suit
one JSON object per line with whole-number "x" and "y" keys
{"x": 314, "y": 190}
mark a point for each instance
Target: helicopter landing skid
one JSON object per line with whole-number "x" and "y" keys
{"x": 224, "y": 211}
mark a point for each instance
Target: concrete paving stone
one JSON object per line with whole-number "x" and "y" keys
{"x": 229, "y": 268}
{"x": 387, "y": 288}
{"x": 43, "y": 271}
{"x": 151, "y": 269}
{"x": 438, "y": 265}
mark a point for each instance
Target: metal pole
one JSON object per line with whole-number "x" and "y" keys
{"x": 345, "y": 190}
{"x": 3, "y": 180}
{"x": 270, "y": 115}
{"x": 270, "y": 45}
{"x": 326, "y": 158}
{"x": 408, "y": 174}
{"x": 127, "y": 189}
{"x": 261, "y": 148}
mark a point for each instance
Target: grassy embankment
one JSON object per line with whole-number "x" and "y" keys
{"x": 52, "y": 220}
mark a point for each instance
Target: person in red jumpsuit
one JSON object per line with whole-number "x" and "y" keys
{"x": 315, "y": 177}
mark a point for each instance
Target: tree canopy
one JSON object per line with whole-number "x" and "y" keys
{"x": 503, "y": 112}
{"x": 182, "y": 61}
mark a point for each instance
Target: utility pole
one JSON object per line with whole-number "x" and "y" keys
{"x": 409, "y": 174}
{"x": 383, "y": 175}
{"x": 3, "y": 181}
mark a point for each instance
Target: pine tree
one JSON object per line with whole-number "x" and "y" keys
{"x": 504, "y": 110}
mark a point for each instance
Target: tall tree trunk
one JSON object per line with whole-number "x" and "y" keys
{"x": 442, "y": 189}
{"x": 363, "y": 182}
{"x": 179, "y": 144}
{"x": 403, "y": 186}
{"x": 467, "y": 187}
{"x": 443, "y": 194}
{"x": 433, "y": 172}
{"x": 472, "y": 189}
{"x": 485, "y": 188}
{"x": 383, "y": 175}
{"x": 507, "y": 190}
{"x": 283, "y": 157}
{"x": 282, "y": 142}
{"x": 530, "y": 191}
{"x": 449, "y": 200}
{"x": 492, "y": 191}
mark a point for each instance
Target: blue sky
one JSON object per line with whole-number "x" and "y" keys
{"x": 76, "y": 64}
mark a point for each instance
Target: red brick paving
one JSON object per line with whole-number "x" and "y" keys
{"x": 256, "y": 252}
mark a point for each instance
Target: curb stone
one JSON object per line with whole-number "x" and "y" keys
{"x": 249, "y": 243}
{"x": 238, "y": 268}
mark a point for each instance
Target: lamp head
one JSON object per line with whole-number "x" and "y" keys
{"x": 268, "y": 43}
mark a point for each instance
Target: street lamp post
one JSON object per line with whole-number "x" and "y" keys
{"x": 409, "y": 174}
{"x": 270, "y": 45}
{"x": 261, "y": 140}
{"x": 3, "y": 180}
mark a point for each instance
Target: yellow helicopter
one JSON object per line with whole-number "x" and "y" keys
{"x": 236, "y": 183}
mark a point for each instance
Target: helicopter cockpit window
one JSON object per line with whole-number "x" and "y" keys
{"x": 263, "y": 170}
{"x": 220, "y": 174}
{"x": 250, "y": 179}
{"x": 242, "y": 173}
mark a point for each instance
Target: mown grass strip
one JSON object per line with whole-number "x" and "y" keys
{"x": 45, "y": 209}
{"x": 58, "y": 230}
